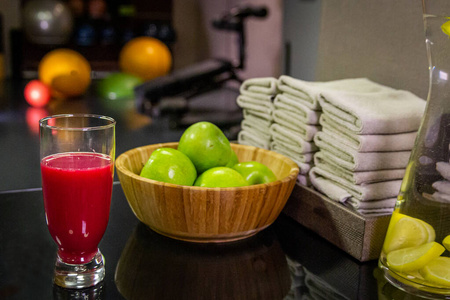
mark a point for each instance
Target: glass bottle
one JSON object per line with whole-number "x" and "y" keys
{"x": 415, "y": 257}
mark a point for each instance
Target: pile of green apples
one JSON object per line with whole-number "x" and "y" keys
{"x": 204, "y": 158}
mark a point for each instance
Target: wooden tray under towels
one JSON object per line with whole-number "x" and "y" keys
{"x": 360, "y": 236}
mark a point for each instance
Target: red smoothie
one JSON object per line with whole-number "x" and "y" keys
{"x": 77, "y": 189}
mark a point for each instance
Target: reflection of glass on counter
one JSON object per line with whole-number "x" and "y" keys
{"x": 152, "y": 266}
{"x": 92, "y": 293}
{"x": 319, "y": 269}
{"x": 298, "y": 287}
{"x": 387, "y": 291}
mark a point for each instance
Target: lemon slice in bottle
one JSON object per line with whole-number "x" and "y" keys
{"x": 446, "y": 242}
{"x": 413, "y": 258}
{"x": 437, "y": 271}
{"x": 405, "y": 231}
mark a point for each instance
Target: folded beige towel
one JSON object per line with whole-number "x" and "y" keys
{"x": 289, "y": 120}
{"x": 357, "y": 177}
{"x": 361, "y": 192}
{"x": 309, "y": 92}
{"x": 338, "y": 193}
{"x": 300, "y": 112}
{"x": 376, "y": 212}
{"x": 368, "y": 142}
{"x": 304, "y": 133}
{"x": 303, "y": 180}
{"x": 383, "y": 112}
{"x": 352, "y": 160}
{"x": 292, "y": 152}
{"x": 260, "y": 85}
{"x": 303, "y": 160}
{"x": 284, "y": 135}
{"x": 442, "y": 187}
{"x": 255, "y": 128}
{"x": 252, "y": 138}
{"x": 260, "y": 120}
{"x": 263, "y": 106}
{"x": 444, "y": 169}
{"x": 264, "y": 117}
{"x": 375, "y": 204}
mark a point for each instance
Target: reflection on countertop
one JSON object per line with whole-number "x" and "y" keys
{"x": 156, "y": 267}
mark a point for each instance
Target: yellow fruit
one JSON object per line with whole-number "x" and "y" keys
{"x": 446, "y": 28}
{"x": 413, "y": 258}
{"x": 145, "y": 57}
{"x": 437, "y": 271}
{"x": 405, "y": 231}
{"x": 68, "y": 85}
{"x": 66, "y": 71}
{"x": 446, "y": 242}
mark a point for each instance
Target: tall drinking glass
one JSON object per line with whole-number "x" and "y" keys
{"x": 77, "y": 167}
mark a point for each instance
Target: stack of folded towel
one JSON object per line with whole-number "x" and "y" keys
{"x": 256, "y": 100}
{"x": 296, "y": 116}
{"x": 364, "y": 146}
{"x": 296, "y": 121}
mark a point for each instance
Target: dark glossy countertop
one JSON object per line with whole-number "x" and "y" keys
{"x": 285, "y": 261}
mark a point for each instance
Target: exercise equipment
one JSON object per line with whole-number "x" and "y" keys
{"x": 201, "y": 81}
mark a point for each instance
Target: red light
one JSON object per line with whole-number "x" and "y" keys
{"x": 36, "y": 93}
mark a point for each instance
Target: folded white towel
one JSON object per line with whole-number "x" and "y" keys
{"x": 357, "y": 177}
{"x": 442, "y": 187}
{"x": 302, "y": 113}
{"x": 263, "y": 116}
{"x": 257, "y": 119}
{"x": 376, "y": 212}
{"x": 383, "y": 112}
{"x": 261, "y": 105}
{"x": 444, "y": 169}
{"x": 362, "y": 192}
{"x": 375, "y": 204}
{"x": 368, "y": 142}
{"x": 303, "y": 180}
{"x": 289, "y": 121}
{"x": 304, "y": 161}
{"x": 309, "y": 92}
{"x": 256, "y": 128}
{"x": 350, "y": 159}
{"x": 284, "y": 135}
{"x": 253, "y": 139}
{"x": 292, "y": 152}
{"x": 259, "y": 85}
{"x": 339, "y": 194}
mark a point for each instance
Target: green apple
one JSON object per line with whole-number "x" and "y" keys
{"x": 169, "y": 165}
{"x": 255, "y": 172}
{"x": 206, "y": 145}
{"x": 233, "y": 160}
{"x": 220, "y": 177}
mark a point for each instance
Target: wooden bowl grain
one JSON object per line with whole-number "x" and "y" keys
{"x": 200, "y": 214}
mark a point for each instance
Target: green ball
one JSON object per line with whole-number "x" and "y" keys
{"x": 118, "y": 86}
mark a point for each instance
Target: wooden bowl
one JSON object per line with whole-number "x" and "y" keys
{"x": 200, "y": 214}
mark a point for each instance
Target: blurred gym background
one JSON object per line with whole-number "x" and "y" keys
{"x": 99, "y": 28}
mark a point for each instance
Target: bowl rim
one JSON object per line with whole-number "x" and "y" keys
{"x": 119, "y": 163}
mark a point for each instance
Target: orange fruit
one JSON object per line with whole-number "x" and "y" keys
{"x": 145, "y": 57}
{"x": 66, "y": 71}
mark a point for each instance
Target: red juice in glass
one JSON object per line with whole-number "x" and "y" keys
{"x": 77, "y": 189}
